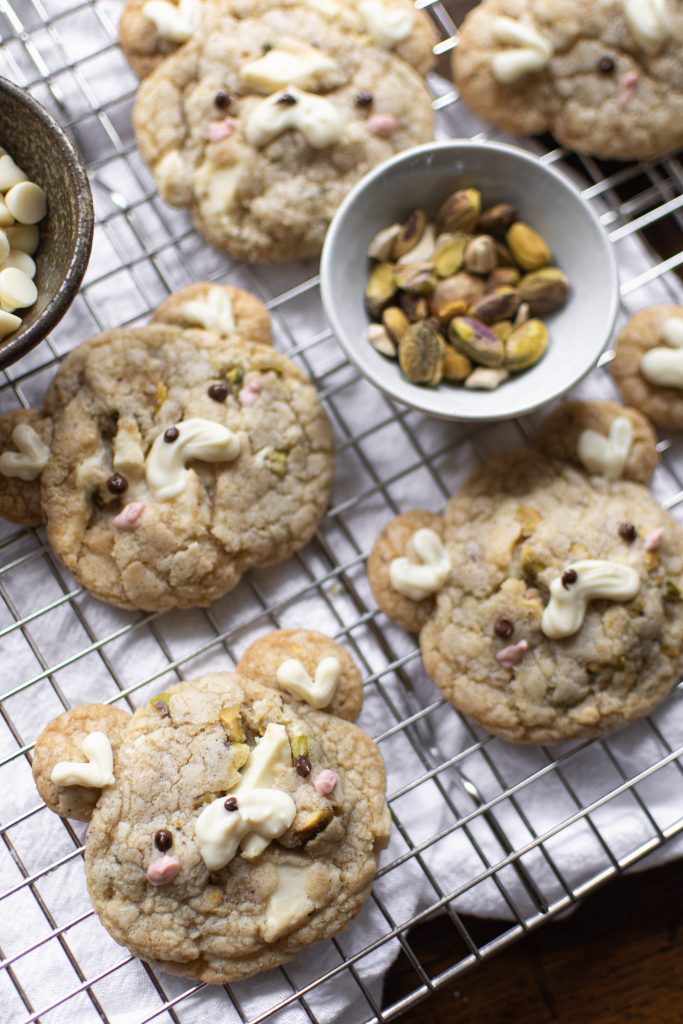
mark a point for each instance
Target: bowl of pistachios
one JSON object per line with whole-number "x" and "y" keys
{"x": 469, "y": 280}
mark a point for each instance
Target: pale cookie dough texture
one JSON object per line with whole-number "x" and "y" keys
{"x": 513, "y": 529}
{"x": 20, "y": 499}
{"x": 190, "y": 751}
{"x": 261, "y": 125}
{"x": 643, "y": 332}
{"x": 392, "y": 24}
{"x": 558, "y": 437}
{"x": 604, "y": 76}
{"x": 226, "y": 310}
{"x": 178, "y": 459}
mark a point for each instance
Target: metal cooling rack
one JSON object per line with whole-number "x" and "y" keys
{"x": 54, "y": 637}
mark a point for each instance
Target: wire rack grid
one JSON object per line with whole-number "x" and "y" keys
{"x": 479, "y": 844}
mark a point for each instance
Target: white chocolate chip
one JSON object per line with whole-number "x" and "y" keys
{"x": 9, "y": 323}
{"x": 24, "y": 237}
{"x": 664, "y": 365}
{"x": 99, "y": 770}
{"x": 289, "y": 905}
{"x": 318, "y": 692}
{"x": 672, "y": 331}
{"x": 265, "y": 813}
{"x": 419, "y": 581}
{"x": 17, "y": 290}
{"x": 216, "y": 189}
{"x": 595, "y": 580}
{"x": 176, "y": 23}
{"x": 129, "y": 458}
{"x": 649, "y": 22}
{"x": 530, "y": 50}
{"x": 6, "y": 217}
{"x": 284, "y": 66}
{"x": 316, "y": 118}
{"x": 20, "y": 261}
{"x": 26, "y": 202}
{"x": 197, "y": 438}
{"x": 386, "y": 25}
{"x": 174, "y": 178}
{"x": 4, "y": 246}
{"x": 213, "y": 311}
{"x": 607, "y": 455}
{"x": 10, "y": 174}
{"x": 31, "y": 457}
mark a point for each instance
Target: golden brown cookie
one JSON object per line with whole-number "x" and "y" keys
{"x": 394, "y": 540}
{"x": 221, "y": 308}
{"x": 643, "y": 333}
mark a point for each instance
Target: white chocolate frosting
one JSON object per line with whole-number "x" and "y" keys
{"x": 31, "y": 457}
{"x": 96, "y": 773}
{"x": 419, "y": 581}
{"x": 197, "y": 439}
{"x": 596, "y": 580}
{"x": 176, "y": 23}
{"x": 267, "y": 813}
{"x": 315, "y": 117}
{"x": 649, "y": 22}
{"x": 272, "y": 751}
{"x": 387, "y": 26}
{"x": 318, "y": 692}
{"x": 212, "y": 311}
{"x": 529, "y": 50}
{"x": 663, "y": 365}
{"x": 607, "y": 455}
{"x": 285, "y": 65}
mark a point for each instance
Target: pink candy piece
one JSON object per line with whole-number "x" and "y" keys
{"x": 628, "y": 84}
{"x": 163, "y": 870}
{"x": 250, "y": 392}
{"x": 654, "y": 540}
{"x": 511, "y": 656}
{"x": 325, "y": 782}
{"x": 382, "y": 125}
{"x": 128, "y": 517}
{"x": 216, "y": 131}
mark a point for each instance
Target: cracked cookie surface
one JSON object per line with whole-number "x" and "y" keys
{"x": 600, "y": 88}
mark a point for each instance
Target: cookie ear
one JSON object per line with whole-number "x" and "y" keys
{"x": 396, "y": 542}
{"x": 61, "y": 742}
{"x": 25, "y": 436}
{"x": 301, "y": 663}
{"x": 220, "y": 308}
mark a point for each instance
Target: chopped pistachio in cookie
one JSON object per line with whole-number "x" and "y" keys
{"x": 648, "y": 364}
{"x": 604, "y": 438}
{"x": 230, "y": 825}
{"x": 177, "y": 459}
{"x": 151, "y": 30}
{"x": 260, "y": 124}
{"x": 604, "y": 76}
{"x": 560, "y": 612}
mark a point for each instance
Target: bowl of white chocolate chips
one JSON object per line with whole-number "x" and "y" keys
{"x": 46, "y": 222}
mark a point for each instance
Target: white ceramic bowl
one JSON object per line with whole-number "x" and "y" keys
{"x": 545, "y": 199}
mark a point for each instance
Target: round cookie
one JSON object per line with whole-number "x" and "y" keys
{"x": 221, "y": 308}
{"x": 20, "y": 495}
{"x": 493, "y": 643}
{"x": 563, "y": 436}
{"x": 265, "y": 657}
{"x": 644, "y": 331}
{"x": 604, "y": 77}
{"x": 161, "y": 872}
{"x": 261, "y": 125}
{"x": 392, "y": 24}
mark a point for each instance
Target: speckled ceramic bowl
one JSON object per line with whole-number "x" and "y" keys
{"x": 545, "y": 199}
{"x": 42, "y": 149}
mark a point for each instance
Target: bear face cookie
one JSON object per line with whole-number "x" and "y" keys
{"x": 178, "y": 458}
{"x": 231, "y": 824}
{"x": 548, "y": 602}
{"x": 604, "y": 77}
{"x": 648, "y": 364}
{"x": 261, "y": 124}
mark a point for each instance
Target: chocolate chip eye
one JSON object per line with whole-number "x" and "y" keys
{"x": 303, "y": 766}
{"x": 286, "y": 99}
{"x": 628, "y": 532}
{"x": 219, "y": 392}
{"x": 117, "y": 484}
{"x": 222, "y": 100}
{"x": 503, "y": 627}
{"x": 569, "y": 576}
{"x": 364, "y": 99}
{"x": 606, "y": 65}
{"x": 171, "y": 434}
{"x": 231, "y": 804}
{"x": 163, "y": 840}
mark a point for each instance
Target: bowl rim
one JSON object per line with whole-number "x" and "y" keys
{"x": 66, "y": 293}
{"x": 330, "y": 304}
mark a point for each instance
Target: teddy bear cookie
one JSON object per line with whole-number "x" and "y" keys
{"x": 151, "y": 30}
{"x": 234, "y": 820}
{"x": 648, "y": 364}
{"x": 170, "y": 459}
{"x": 547, "y": 601}
{"x": 604, "y": 76}
{"x": 261, "y": 124}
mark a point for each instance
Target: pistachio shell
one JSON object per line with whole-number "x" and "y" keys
{"x": 421, "y": 353}
{"x": 449, "y": 253}
{"x": 501, "y": 304}
{"x": 522, "y": 314}
{"x": 456, "y": 366}
{"x": 497, "y": 219}
{"x": 505, "y": 257}
{"x": 416, "y": 278}
{"x": 379, "y": 338}
{"x": 414, "y": 306}
{"x": 480, "y": 255}
{"x": 461, "y": 287}
{"x": 485, "y": 379}
{"x": 460, "y": 211}
{"x": 544, "y": 290}
{"x": 476, "y": 340}
{"x": 395, "y": 323}
{"x": 526, "y": 345}
{"x": 423, "y": 251}
{"x": 381, "y": 246}
{"x": 410, "y": 234}
{"x": 380, "y": 289}
{"x": 529, "y": 250}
